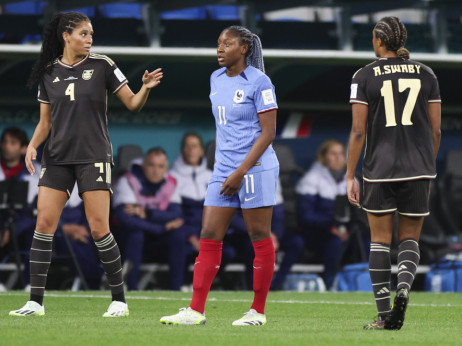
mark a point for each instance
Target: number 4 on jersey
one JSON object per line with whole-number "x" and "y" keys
{"x": 70, "y": 91}
{"x": 414, "y": 86}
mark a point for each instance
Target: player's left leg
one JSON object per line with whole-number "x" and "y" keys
{"x": 97, "y": 204}
{"x": 258, "y": 222}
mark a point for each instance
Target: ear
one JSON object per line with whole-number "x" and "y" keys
{"x": 381, "y": 44}
{"x": 66, "y": 36}
{"x": 244, "y": 49}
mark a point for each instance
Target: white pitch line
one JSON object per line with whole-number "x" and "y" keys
{"x": 327, "y": 302}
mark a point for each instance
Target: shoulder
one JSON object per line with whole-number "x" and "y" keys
{"x": 104, "y": 59}
{"x": 365, "y": 69}
{"x": 217, "y": 73}
{"x": 256, "y": 76}
{"x": 425, "y": 68}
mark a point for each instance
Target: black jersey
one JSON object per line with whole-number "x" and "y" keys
{"x": 399, "y": 143}
{"x": 78, "y": 98}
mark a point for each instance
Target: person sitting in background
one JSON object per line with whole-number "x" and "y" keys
{"x": 291, "y": 244}
{"x": 14, "y": 143}
{"x": 75, "y": 226}
{"x": 317, "y": 192}
{"x": 148, "y": 212}
{"x": 192, "y": 175}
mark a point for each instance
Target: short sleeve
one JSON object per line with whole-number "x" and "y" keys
{"x": 358, "y": 89}
{"x": 264, "y": 97}
{"x": 435, "y": 96}
{"x": 115, "y": 79}
{"x": 42, "y": 95}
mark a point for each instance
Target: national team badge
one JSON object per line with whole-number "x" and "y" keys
{"x": 87, "y": 74}
{"x": 238, "y": 96}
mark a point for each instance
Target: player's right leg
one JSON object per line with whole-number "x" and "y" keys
{"x": 49, "y": 207}
{"x": 215, "y": 222}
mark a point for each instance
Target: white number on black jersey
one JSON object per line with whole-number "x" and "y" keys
{"x": 414, "y": 86}
{"x": 70, "y": 91}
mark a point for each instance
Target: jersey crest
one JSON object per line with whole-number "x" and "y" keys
{"x": 86, "y": 74}
{"x": 238, "y": 96}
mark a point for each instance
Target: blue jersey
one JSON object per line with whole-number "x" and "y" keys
{"x": 236, "y": 103}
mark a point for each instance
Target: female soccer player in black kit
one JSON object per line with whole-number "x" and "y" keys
{"x": 73, "y": 87}
{"x": 397, "y": 110}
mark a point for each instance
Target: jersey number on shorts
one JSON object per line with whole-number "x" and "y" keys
{"x": 100, "y": 165}
{"x": 249, "y": 178}
{"x": 70, "y": 91}
{"x": 414, "y": 86}
{"x": 222, "y": 114}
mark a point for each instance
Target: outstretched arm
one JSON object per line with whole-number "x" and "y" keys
{"x": 135, "y": 102}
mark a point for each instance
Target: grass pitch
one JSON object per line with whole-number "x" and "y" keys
{"x": 293, "y": 319}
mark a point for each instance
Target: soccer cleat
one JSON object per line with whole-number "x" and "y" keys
{"x": 186, "y": 316}
{"x": 251, "y": 318}
{"x": 117, "y": 309}
{"x": 30, "y": 309}
{"x": 376, "y": 325}
{"x": 396, "y": 318}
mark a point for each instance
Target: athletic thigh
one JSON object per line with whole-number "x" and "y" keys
{"x": 215, "y": 222}
{"x": 381, "y": 226}
{"x": 97, "y": 204}
{"x": 93, "y": 176}
{"x": 50, "y": 205}
{"x": 258, "y": 222}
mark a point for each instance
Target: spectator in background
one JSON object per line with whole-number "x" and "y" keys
{"x": 148, "y": 211}
{"x": 192, "y": 175}
{"x": 291, "y": 244}
{"x": 324, "y": 231}
{"x": 74, "y": 224}
{"x": 14, "y": 143}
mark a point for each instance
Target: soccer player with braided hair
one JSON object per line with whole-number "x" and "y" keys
{"x": 245, "y": 173}
{"x": 73, "y": 87}
{"x": 396, "y": 108}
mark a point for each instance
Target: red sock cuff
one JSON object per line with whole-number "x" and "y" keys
{"x": 264, "y": 246}
{"x": 210, "y": 245}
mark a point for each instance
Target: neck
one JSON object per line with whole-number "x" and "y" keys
{"x": 12, "y": 163}
{"x": 388, "y": 54}
{"x": 235, "y": 70}
{"x": 70, "y": 58}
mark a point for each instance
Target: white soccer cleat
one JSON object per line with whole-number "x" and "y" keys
{"x": 186, "y": 316}
{"x": 117, "y": 309}
{"x": 30, "y": 309}
{"x": 251, "y": 318}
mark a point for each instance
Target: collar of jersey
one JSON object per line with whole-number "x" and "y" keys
{"x": 242, "y": 74}
{"x": 71, "y": 66}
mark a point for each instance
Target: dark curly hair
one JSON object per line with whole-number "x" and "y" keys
{"x": 393, "y": 34}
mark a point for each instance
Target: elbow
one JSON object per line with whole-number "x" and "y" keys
{"x": 358, "y": 133}
{"x": 437, "y": 133}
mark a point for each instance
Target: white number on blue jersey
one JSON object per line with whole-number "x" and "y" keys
{"x": 248, "y": 177}
{"x": 222, "y": 114}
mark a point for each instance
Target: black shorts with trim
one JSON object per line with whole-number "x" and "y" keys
{"x": 409, "y": 197}
{"x": 89, "y": 177}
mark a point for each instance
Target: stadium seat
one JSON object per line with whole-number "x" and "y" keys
{"x": 25, "y": 7}
{"x": 125, "y": 155}
{"x": 193, "y": 13}
{"x": 223, "y": 12}
{"x": 121, "y": 10}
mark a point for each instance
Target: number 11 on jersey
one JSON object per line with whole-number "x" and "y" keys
{"x": 222, "y": 115}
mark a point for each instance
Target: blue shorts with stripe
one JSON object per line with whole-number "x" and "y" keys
{"x": 257, "y": 190}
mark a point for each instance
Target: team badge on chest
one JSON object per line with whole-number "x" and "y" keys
{"x": 86, "y": 75}
{"x": 238, "y": 96}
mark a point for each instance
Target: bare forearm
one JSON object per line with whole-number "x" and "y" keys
{"x": 41, "y": 133}
{"x": 355, "y": 147}
{"x": 257, "y": 150}
{"x": 139, "y": 99}
{"x": 436, "y": 141}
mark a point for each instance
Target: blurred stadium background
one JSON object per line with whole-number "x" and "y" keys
{"x": 311, "y": 49}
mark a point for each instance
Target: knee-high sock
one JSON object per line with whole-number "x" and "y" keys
{"x": 408, "y": 260}
{"x": 205, "y": 269}
{"x": 380, "y": 272}
{"x": 109, "y": 255}
{"x": 263, "y": 269}
{"x": 40, "y": 258}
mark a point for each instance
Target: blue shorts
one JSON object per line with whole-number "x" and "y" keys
{"x": 257, "y": 190}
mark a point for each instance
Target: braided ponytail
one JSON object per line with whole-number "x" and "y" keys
{"x": 393, "y": 33}
{"x": 254, "y": 56}
{"x": 53, "y": 43}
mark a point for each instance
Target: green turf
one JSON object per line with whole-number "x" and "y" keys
{"x": 293, "y": 319}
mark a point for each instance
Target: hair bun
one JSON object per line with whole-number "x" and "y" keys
{"x": 403, "y": 53}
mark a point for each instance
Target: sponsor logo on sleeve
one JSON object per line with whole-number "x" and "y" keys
{"x": 238, "y": 96}
{"x": 86, "y": 74}
{"x": 120, "y": 76}
{"x": 268, "y": 96}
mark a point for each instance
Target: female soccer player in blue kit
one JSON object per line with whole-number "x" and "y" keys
{"x": 245, "y": 173}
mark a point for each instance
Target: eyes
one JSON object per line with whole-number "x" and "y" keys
{"x": 85, "y": 34}
{"x": 226, "y": 44}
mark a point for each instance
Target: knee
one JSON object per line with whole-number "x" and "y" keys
{"x": 99, "y": 227}
{"x": 258, "y": 233}
{"x": 209, "y": 233}
{"x": 45, "y": 225}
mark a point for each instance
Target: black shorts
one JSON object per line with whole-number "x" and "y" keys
{"x": 89, "y": 177}
{"x": 409, "y": 198}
